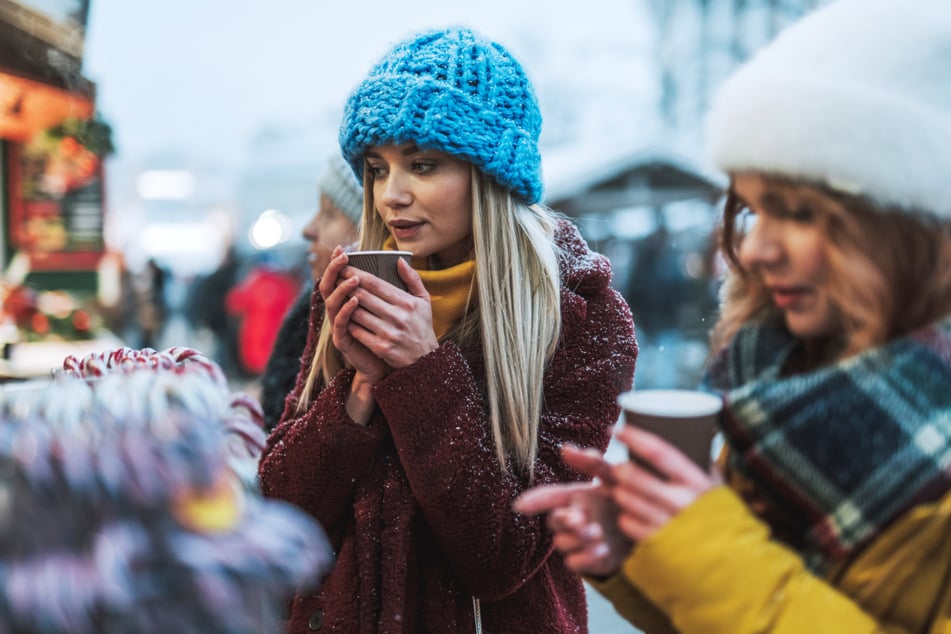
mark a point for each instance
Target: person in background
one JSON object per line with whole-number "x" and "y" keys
{"x": 420, "y": 415}
{"x": 832, "y": 353}
{"x": 151, "y": 304}
{"x": 340, "y": 205}
{"x": 259, "y": 302}
{"x": 115, "y": 294}
{"x": 205, "y": 311}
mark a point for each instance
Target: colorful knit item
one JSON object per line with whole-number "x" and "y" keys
{"x": 453, "y": 91}
{"x": 129, "y": 503}
{"x": 839, "y": 452}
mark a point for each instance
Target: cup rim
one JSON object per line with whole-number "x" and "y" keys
{"x": 379, "y": 252}
{"x": 657, "y": 402}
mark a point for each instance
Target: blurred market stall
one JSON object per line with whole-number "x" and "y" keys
{"x": 52, "y": 147}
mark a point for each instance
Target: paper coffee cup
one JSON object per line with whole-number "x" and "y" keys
{"x": 686, "y": 419}
{"x": 380, "y": 263}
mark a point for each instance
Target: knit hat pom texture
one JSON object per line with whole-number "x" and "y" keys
{"x": 453, "y": 91}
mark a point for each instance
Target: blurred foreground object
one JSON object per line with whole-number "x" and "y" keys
{"x": 128, "y": 503}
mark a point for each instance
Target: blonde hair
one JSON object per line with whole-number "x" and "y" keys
{"x": 517, "y": 276}
{"x": 890, "y": 269}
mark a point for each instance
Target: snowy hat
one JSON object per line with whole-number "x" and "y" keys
{"x": 856, "y": 95}
{"x": 344, "y": 191}
{"x": 451, "y": 90}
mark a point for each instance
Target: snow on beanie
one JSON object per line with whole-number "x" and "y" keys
{"x": 451, "y": 90}
{"x": 343, "y": 190}
{"x": 856, "y": 95}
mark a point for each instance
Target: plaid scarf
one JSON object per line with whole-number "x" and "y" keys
{"x": 841, "y": 451}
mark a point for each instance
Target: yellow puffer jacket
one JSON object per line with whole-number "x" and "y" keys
{"x": 714, "y": 569}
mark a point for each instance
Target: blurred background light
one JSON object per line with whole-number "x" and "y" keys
{"x": 165, "y": 185}
{"x": 269, "y": 230}
{"x": 194, "y": 246}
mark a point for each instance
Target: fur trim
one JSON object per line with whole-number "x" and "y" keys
{"x": 856, "y": 95}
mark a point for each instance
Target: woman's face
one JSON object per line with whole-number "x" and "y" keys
{"x": 785, "y": 247}
{"x": 424, "y": 198}
{"x": 328, "y": 228}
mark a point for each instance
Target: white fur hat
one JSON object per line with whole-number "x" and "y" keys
{"x": 340, "y": 185}
{"x": 856, "y": 95}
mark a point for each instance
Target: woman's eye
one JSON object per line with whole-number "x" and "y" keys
{"x": 801, "y": 214}
{"x": 423, "y": 167}
{"x": 375, "y": 171}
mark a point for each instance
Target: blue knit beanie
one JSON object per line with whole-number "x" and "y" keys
{"x": 453, "y": 91}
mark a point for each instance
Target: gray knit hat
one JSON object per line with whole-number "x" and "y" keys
{"x": 342, "y": 188}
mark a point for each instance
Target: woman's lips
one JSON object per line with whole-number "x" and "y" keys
{"x": 405, "y": 230}
{"x": 786, "y": 298}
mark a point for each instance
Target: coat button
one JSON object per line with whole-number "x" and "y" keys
{"x": 316, "y": 620}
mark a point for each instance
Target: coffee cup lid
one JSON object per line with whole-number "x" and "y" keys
{"x": 676, "y": 403}
{"x": 410, "y": 253}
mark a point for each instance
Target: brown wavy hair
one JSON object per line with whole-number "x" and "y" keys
{"x": 890, "y": 267}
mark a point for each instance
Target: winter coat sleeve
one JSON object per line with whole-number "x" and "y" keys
{"x": 714, "y": 569}
{"x": 313, "y": 459}
{"x": 445, "y": 444}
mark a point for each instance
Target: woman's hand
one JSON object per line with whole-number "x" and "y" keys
{"x": 395, "y": 325}
{"x": 647, "y": 502}
{"x": 337, "y": 285}
{"x": 582, "y": 516}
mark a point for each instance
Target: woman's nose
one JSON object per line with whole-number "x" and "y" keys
{"x": 395, "y": 190}
{"x": 310, "y": 230}
{"x": 762, "y": 244}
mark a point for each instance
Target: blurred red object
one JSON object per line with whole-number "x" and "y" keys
{"x": 260, "y": 302}
{"x": 20, "y": 303}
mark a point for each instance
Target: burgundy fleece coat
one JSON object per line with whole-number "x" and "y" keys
{"x": 416, "y": 504}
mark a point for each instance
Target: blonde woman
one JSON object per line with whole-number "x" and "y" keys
{"x": 419, "y": 416}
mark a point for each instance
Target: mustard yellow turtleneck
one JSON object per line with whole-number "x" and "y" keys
{"x": 448, "y": 289}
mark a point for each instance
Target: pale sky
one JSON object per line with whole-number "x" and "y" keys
{"x": 203, "y": 75}
{"x": 192, "y": 83}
